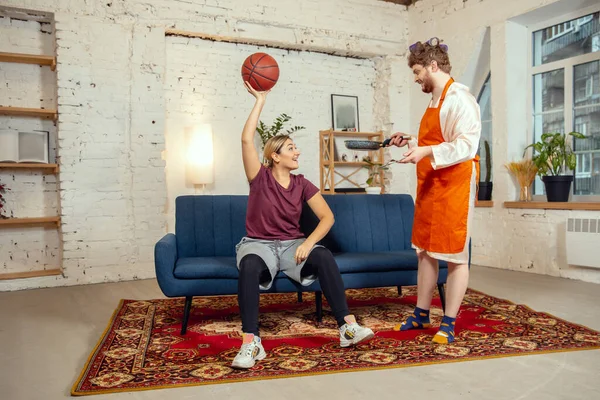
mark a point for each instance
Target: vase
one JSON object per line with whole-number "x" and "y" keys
{"x": 525, "y": 193}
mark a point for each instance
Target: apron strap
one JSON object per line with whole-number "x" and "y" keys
{"x": 450, "y": 82}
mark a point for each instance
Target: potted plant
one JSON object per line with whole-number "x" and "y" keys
{"x": 374, "y": 184}
{"x": 3, "y": 190}
{"x": 267, "y": 132}
{"x": 485, "y": 187}
{"x": 553, "y": 156}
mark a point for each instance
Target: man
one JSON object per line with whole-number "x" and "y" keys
{"x": 447, "y": 176}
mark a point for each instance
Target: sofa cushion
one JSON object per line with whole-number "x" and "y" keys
{"x": 352, "y": 263}
{"x": 209, "y": 226}
{"x": 365, "y": 223}
{"x": 209, "y": 268}
{"x": 206, "y": 268}
{"x": 349, "y": 263}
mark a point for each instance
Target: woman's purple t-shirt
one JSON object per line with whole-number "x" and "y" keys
{"x": 273, "y": 211}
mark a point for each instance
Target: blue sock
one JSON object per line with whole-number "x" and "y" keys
{"x": 446, "y": 333}
{"x": 419, "y": 319}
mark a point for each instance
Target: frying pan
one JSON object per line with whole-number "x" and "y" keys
{"x": 368, "y": 144}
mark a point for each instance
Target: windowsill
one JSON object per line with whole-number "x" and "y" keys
{"x": 484, "y": 204}
{"x": 544, "y": 205}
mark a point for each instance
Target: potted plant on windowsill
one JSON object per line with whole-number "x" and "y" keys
{"x": 486, "y": 186}
{"x": 553, "y": 156}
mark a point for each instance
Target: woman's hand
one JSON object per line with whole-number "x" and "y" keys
{"x": 259, "y": 95}
{"x": 302, "y": 251}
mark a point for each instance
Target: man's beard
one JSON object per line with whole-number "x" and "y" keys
{"x": 427, "y": 85}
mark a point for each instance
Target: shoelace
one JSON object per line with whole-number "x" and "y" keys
{"x": 247, "y": 348}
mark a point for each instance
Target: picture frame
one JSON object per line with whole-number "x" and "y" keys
{"x": 344, "y": 113}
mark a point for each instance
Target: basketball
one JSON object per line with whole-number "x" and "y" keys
{"x": 261, "y": 71}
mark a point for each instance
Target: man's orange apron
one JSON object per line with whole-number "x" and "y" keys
{"x": 442, "y": 204}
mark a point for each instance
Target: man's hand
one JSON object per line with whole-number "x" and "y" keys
{"x": 302, "y": 251}
{"x": 416, "y": 154}
{"x": 399, "y": 139}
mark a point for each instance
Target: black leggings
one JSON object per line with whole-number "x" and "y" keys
{"x": 254, "y": 271}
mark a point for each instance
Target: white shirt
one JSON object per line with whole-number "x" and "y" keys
{"x": 460, "y": 119}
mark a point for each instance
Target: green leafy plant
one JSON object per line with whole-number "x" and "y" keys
{"x": 267, "y": 132}
{"x": 553, "y": 155}
{"x": 374, "y": 170}
{"x": 488, "y": 162}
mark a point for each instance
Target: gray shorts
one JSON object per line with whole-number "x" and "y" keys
{"x": 278, "y": 255}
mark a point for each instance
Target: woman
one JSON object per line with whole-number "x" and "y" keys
{"x": 275, "y": 242}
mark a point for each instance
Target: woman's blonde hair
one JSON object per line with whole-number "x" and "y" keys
{"x": 273, "y": 145}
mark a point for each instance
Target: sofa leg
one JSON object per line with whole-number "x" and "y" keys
{"x": 186, "y": 314}
{"x": 319, "y": 304}
{"x": 299, "y": 297}
{"x": 442, "y": 292}
{"x": 399, "y": 291}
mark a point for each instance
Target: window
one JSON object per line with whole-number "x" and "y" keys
{"x": 484, "y": 99}
{"x": 565, "y": 75}
{"x": 584, "y": 162}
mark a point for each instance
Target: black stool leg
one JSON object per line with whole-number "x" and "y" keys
{"x": 400, "y": 291}
{"x": 299, "y": 297}
{"x": 186, "y": 313}
{"x": 442, "y": 292}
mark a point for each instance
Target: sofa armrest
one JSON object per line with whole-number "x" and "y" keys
{"x": 165, "y": 257}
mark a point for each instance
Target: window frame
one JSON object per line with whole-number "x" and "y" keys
{"x": 567, "y": 65}
{"x": 487, "y": 82}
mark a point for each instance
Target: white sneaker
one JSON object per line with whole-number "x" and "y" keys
{"x": 249, "y": 353}
{"x": 353, "y": 333}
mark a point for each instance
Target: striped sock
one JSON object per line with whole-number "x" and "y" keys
{"x": 419, "y": 319}
{"x": 446, "y": 333}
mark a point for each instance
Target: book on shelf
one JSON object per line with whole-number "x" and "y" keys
{"x": 23, "y": 147}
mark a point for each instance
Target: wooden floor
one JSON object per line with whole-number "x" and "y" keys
{"x": 46, "y": 336}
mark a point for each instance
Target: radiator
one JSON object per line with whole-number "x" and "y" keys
{"x": 583, "y": 242}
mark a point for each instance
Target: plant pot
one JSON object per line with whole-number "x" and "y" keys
{"x": 485, "y": 191}
{"x": 373, "y": 190}
{"x": 558, "y": 187}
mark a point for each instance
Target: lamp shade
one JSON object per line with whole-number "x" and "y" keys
{"x": 199, "y": 154}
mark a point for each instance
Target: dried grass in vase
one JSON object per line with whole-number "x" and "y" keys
{"x": 525, "y": 171}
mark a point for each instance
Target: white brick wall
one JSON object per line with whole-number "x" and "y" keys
{"x": 524, "y": 240}
{"x": 111, "y": 79}
{"x": 116, "y": 79}
{"x": 204, "y": 85}
{"x": 112, "y": 177}
{"x": 32, "y": 194}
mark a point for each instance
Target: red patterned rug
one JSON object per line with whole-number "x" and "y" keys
{"x": 142, "y": 349}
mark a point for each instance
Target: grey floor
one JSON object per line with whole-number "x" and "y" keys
{"x": 46, "y": 336}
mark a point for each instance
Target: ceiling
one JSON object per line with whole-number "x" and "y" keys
{"x": 402, "y": 2}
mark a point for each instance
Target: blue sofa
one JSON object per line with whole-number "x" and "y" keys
{"x": 370, "y": 241}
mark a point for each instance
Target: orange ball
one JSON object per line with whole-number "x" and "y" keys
{"x": 261, "y": 71}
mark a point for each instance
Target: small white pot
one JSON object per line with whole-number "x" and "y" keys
{"x": 373, "y": 190}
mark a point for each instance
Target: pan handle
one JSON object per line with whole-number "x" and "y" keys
{"x": 386, "y": 142}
